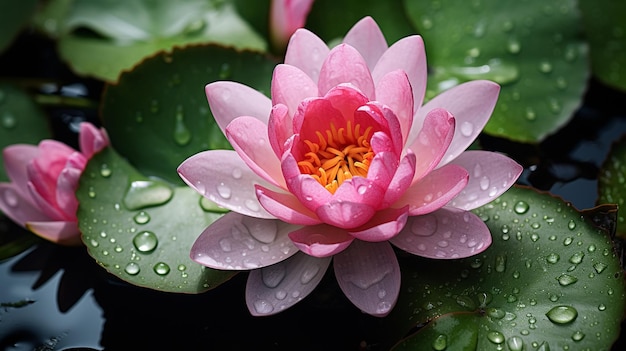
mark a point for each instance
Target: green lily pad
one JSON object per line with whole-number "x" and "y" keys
{"x": 605, "y": 28}
{"x": 105, "y": 37}
{"x": 141, "y": 229}
{"x": 162, "y": 102}
{"x": 533, "y": 49}
{"x": 612, "y": 183}
{"x": 13, "y": 18}
{"x": 551, "y": 280}
{"x": 21, "y": 120}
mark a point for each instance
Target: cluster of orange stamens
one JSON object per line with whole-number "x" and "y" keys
{"x": 339, "y": 154}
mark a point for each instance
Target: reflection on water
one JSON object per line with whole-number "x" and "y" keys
{"x": 47, "y": 306}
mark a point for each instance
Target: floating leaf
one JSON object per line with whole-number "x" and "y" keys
{"x": 533, "y": 49}
{"x": 146, "y": 243}
{"x": 162, "y": 103}
{"x": 605, "y": 27}
{"x": 103, "y": 38}
{"x": 12, "y": 18}
{"x": 612, "y": 183}
{"x": 550, "y": 280}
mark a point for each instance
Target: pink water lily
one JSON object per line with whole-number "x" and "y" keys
{"x": 41, "y": 196}
{"x": 341, "y": 163}
{"x": 286, "y": 16}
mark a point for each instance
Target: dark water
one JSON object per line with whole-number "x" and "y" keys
{"x": 57, "y": 298}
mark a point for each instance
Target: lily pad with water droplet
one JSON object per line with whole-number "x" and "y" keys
{"x": 612, "y": 184}
{"x": 605, "y": 28}
{"x": 147, "y": 244}
{"x": 103, "y": 38}
{"x": 532, "y": 301}
{"x": 533, "y": 49}
{"x": 158, "y": 115}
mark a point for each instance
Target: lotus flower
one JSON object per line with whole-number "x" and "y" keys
{"x": 286, "y": 16}
{"x": 41, "y": 196}
{"x": 343, "y": 162}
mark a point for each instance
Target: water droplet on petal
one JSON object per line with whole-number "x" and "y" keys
{"x": 424, "y": 225}
{"x": 467, "y": 128}
{"x": 273, "y": 275}
{"x": 263, "y": 307}
{"x": 10, "y": 197}
{"x": 224, "y": 191}
{"x": 309, "y": 274}
{"x": 562, "y": 314}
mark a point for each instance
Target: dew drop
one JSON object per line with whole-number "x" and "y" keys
{"x": 309, "y": 274}
{"x": 553, "y": 258}
{"x": 105, "y": 171}
{"x": 577, "y": 257}
{"x": 132, "y": 268}
{"x": 500, "y": 263}
{"x": 10, "y": 197}
{"x": 496, "y": 313}
{"x": 571, "y": 225}
{"x": 145, "y": 193}
{"x": 263, "y": 307}
{"x": 567, "y": 241}
{"x": 545, "y": 67}
{"x": 141, "y": 217}
{"x": 224, "y": 191}
{"x": 601, "y": 307}
{"x": 578, "y": 336}
{"x": 467, "y": 128}
{"x": 237, "y": 173}
{"x": 440, "y": 343}
{"x": 562, "y": 314}
{"x": 566, "y": 279}
{"x": 514, "y": 46}
{"x": 521, "y": 207}
{"x": 424, "y": 225}
{"x": 145, "y": 241}
{"x": 161, "y": 268}
{"x": 515, "y": 343}
{"x": 599, "y": 267}
{"x": 210, "y": 206}
{"x": 8, "y": 121}
{"x": 273, "y": 275}
{"x": 182, "y": 135}
{"x": 495, "y": 337}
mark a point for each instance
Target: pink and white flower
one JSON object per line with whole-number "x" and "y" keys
{"x": 41, "y": 196}
{"x": 341, "y": 163}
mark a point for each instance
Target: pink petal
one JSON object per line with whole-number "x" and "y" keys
{"x": 307, "y": 52}
{"x": 285, "y": 207}
{"x": 249, "y": 138}
{"x": 344, "y": 214}
{"x": 18, "y": 208}
{"x": 471, "y": 104}
{"x": 369, "y": 275}
{"x": 447, "y": 233}
{"x": 285, "y": 17}
{"x": 382, "y": 168}
{"x": 383, "y": 226}
{"x": 46, "y": 203}
{"x": 224, "y": 178}
{"x": 368, "y": 39}
{"x": 229, "y": 100}
{"x": 344, "y": 65}
{"x": 321, "y": 240}
{"x": 401, "y": 180}
{"x": 388, "y": 120}
{"x": 346, "y": 100}
{"x": 432, "y": 141}
{"x": 394, "y": 90}
{"x": 238, "y": 242}
{"x": 16, "y": 158}
{"x": 304, "y": 187}
{"x": 360, "y": 190}
{"x": 491, "y": 174}
{"x": 62, "y": 232}
{"x": 92, "y": 139}
{"x": 435, "y": 190}
{"x": 290, "y": 86}
{"x": 67, "y": 183}
{"x": 407, "y": 54}
{"x": 275, "y": 288}
{"x": 279, "y": 128}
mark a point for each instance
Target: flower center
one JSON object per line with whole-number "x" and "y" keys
{"x": 338, "y": 154}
